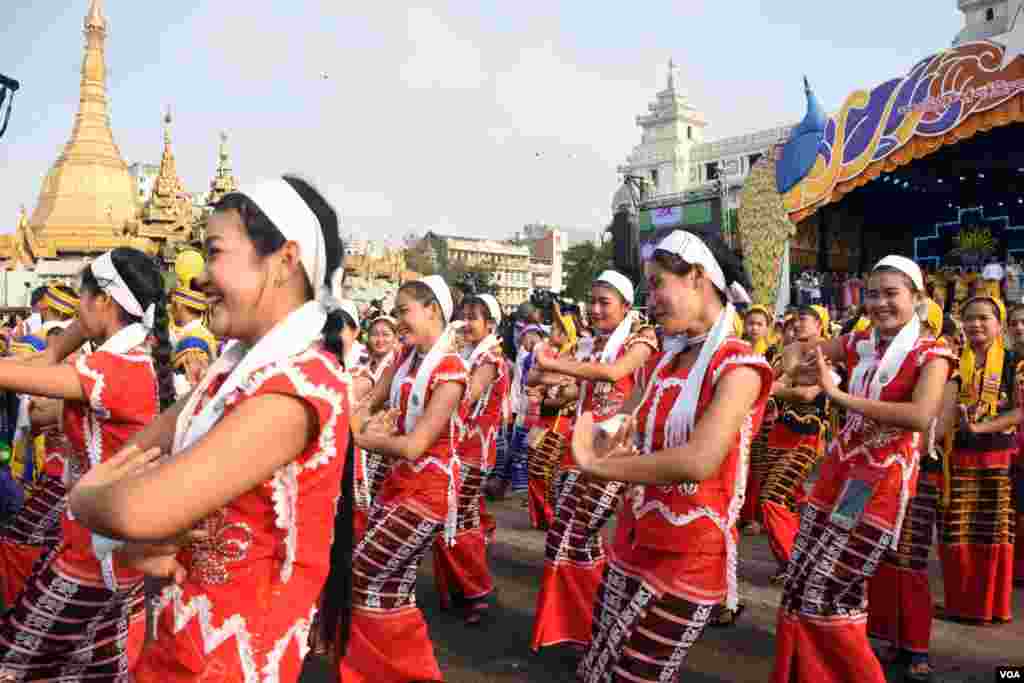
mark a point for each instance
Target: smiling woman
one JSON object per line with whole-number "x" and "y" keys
{"x": 264, "y": 514}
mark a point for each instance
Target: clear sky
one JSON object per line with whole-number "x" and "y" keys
{"x": 433, "y": 117}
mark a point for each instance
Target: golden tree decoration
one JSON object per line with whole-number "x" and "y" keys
{"x": 973, "y": 245}
{"x": 764, "y": 228}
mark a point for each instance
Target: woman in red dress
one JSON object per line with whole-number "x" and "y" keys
{"x": 245, "y": 589}
{"x": 418, "y": 502}
{"x": 372, "y": 468}
{"x": 460, "y": 570}
{"x": 855, "y": 512}
{"x": 37, "y": 524}
{"x": 899, "y": 594}
{"x": 80, "y": 613}
{"x": 684, "y": 458}
{"x": 574, "y": 557}
{"x": 548, "y": 441}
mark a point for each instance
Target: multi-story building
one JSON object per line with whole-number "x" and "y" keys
{"x": 682, "y": 173}
{"x": 547, "y": 244}
{"x": 508, "y": 264}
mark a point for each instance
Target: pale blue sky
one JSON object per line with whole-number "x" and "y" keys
{"x": 432, "y": 117}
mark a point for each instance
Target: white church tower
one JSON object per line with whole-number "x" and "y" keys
{"x": 671, "y": 128}
{"x": 985, "y": 19}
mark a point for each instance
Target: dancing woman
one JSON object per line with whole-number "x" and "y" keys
{"x": 549, "y": 439}
{"x": 460, "y": 570}
{"x": 760, "y": 335}
{"x": 795, "y": 444}
{"x": 675, "y": 549}
{"x": 855, "y": 512}
{"x": 418, "y": 502}
{"x": 977, "y": 537}
{"x": 574, "y": 557}
{"x": 372, "y": 468}
{"x": 899, "y": 594}
{"x": 246, "y": 588}
{"x": 80, "y": 613}
{"x": 36, "y": 525}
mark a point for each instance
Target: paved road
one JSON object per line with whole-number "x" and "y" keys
{"x": 498, "y": 651}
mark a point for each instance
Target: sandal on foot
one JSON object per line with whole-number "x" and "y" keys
{"x": 919, "y": 670}
{"x": 725, "y": 617}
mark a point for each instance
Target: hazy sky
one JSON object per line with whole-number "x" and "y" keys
{"x": 433, "y": 117}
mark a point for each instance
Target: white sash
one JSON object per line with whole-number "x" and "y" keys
{"x": 291, "y": 336}
{"x": 890, "y": 363}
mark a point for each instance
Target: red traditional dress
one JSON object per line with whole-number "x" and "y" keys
{"x": 795, "y": 445}
{"x": 389, "y": 642}
{"x": 371, "y": 469}
{"x": 978, "y": 532}
{"x": 81, "y": 618}
{"x": 460, "y": 570}
{"x": 760, "y": 458}
{"x": 245, "y": 610}
{"x": 853, "y": 516}
{"x": 548, "y": 443}
{"x": 574, "y": 556}
{"x": 37, "y": 524}
{"x": 675, "y": 550}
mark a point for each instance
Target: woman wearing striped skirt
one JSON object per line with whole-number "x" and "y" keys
{"x": 460, "y": 570}
{"x": 899, "y": 594}
{"x": 795, "y": 445}
{"x": 758, "y": 330}
{"x": 79, "y": 616}
{"x": 574, "y": 557}
{"x": 548, "y": 441}
{"x": 856, "y": 510}
{"x": 684, "y": 458}
{"x": 978, "y": 525}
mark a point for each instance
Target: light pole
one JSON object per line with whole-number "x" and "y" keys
{"x": 8, "y": 86}
{"x": 723, "y": 190}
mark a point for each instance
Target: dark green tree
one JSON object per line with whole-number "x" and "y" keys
{"x": 583, "y": 262}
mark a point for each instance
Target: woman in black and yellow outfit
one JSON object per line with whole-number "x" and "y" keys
{"x": 766, "y": 342}
{"x": 977, "y": 529}
{"x": 795, "y": 444}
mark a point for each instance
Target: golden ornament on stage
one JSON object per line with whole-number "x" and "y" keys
{"x": 764, "y": 228}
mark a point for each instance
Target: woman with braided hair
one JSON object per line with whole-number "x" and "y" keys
{"x": 460, "y": 570}
{"x": 247, "y": 579}
{"x": 553, "y": 429}
{"x": 80, "y": 613}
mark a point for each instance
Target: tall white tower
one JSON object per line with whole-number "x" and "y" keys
{"x": 986, "y": 18}
{"x": 670, "y": 129}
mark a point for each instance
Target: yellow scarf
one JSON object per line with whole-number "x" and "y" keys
{"x": 987, "y": 398}
{"x": 569, "y": 327}
{"x": 826, "y": 321}
{"x": 761, "y": 345}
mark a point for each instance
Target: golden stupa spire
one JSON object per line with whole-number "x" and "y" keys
{"x": 169, "y": 203}
{"x": 223, "y": 181}
{"x": 88, "y": 198}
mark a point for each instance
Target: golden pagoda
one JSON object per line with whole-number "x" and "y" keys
{"x": 167, "y": 213}
{"x": 223, "y": 182}
{"x": 87, "y": 204}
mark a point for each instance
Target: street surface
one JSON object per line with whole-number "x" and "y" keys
{"x": 498, "y": 651}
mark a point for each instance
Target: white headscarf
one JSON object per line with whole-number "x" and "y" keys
{"x": 111, "y": 282}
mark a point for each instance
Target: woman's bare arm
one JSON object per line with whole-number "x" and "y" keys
{"x": 435, "y": 419}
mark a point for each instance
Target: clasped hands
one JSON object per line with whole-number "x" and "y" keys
{"x": 157, "y": 559}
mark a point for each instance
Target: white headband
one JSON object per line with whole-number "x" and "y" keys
{"x": 385, "y": 318}
{"x": 492, "y": 306}
{"x": 441, "y": 292}
{"x": 349, "y": 307}
{"x": 905, "y": 266}
{"x": 694, "y": 251}
{"x": 287, "y": 210}
{"x": 111, "y": 282}
{"x": 619, "y": 282}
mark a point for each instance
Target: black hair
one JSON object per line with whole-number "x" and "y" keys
{"x": 143, "y": 276}
{"x": 348, "y": 321}
{"x": 728, "y": 260}
{"x": 423, "y": 294}
{"x": 480, "y": 302}
{"x": 949, "y": 328}
{"x": 334, "y": 617}
{"x": 37, "y": 295}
